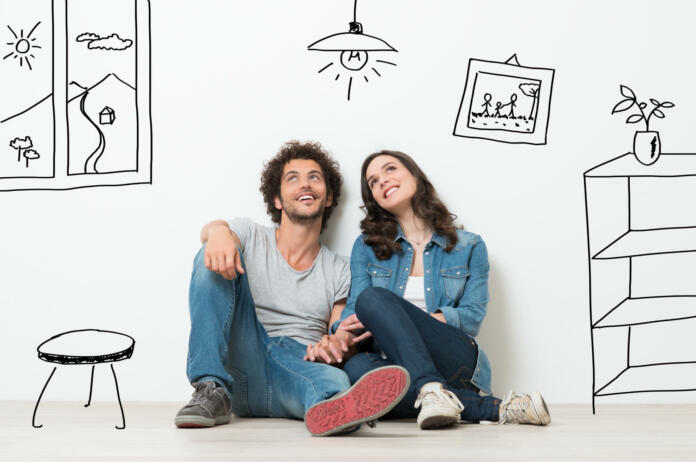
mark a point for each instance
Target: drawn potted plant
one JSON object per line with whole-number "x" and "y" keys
{"x": 646, "y": 144}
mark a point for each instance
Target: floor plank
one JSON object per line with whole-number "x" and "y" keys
{"x": 72, "y": 432}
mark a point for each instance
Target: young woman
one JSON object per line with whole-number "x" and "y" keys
{"x": 420, "y": 290}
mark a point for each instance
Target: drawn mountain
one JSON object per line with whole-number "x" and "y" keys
{"x": 102, "y": 127}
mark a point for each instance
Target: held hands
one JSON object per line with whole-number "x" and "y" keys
{"x": 221, "y": 254}
{"x": 331, "y": 349}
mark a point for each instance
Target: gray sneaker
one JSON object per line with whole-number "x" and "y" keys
{"x": 208, "y": 407}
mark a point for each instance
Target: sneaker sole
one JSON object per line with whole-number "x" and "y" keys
{"x": 540, "y": 408}
{"x": 375, "y": 394}
{"x": 193, "y": 421}
{"x": 438, "y": 421}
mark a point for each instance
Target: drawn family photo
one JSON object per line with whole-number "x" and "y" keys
{"x": 505, "y": 102}
{"x": 106, "y": 110}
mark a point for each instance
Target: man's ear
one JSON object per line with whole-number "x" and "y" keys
{"x": 278, "y": 204}
{"x": 329, "y": 199}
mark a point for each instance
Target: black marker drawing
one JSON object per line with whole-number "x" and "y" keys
{"x": 637, "y": 249}
{"x": 107, "y": 109}
{"x": 27, "y": 119}
{"x": 355, "y": 48}
{"x": 23, "y": 46}
{"x": 505, "y": 102}
{"x": 86, "y": 347}
{"x": 646, "y": 144}
{"x": 110, "y": 42}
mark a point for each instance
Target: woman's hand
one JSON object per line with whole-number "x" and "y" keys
{"x": 439, "y": 316}
{"x": 352, "y": 323}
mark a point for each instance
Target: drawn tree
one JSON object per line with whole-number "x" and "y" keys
{"x": 531, "y": 90}
{"x": 19, "y": 144}
{"x": 30, "y": 154}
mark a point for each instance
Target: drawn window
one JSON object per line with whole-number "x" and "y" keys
{"x": 106, "y": 104}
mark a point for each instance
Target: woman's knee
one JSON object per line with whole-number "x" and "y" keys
{"x": 375, "y": 301}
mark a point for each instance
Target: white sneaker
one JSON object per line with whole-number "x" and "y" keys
{"x": 439, "y": 407}
{"x": 527, "y": 408}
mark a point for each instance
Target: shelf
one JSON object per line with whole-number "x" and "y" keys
{"x": 652, "y": 378}
{"x": 647, "y": 310}
{"x": 668, "y": 165}
{"x": 638, "y": 243}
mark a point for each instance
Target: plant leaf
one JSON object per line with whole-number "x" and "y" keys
{"x": 634, "y": 119}
{"x": 643, "y": 105}
{"x": 622, "y": 105}
{"x": 667, "y": 104}
{"x": 654, "y": 101}
{"x": 659, "y": 114}
{"x": 627, "y": 92}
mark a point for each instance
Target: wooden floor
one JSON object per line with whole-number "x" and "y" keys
{"x": 72, "y": 432}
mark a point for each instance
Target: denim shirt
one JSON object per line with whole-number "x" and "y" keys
{"x": 456, "y": 283}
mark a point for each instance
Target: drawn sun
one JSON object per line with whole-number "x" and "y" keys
{"x": 22, "y": 46}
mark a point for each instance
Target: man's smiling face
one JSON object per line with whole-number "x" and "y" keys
{"x": 303, "y": 194}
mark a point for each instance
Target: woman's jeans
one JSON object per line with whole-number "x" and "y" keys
{"x": 430, "y": 350}
{"x": 264, "y": 376}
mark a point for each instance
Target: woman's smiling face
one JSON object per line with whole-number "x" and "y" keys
{"x": 392, "y": 185}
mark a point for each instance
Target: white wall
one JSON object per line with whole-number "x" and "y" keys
{"x": 233, "y": 80}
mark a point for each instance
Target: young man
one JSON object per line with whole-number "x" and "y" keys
{"x": 253, "y": 314}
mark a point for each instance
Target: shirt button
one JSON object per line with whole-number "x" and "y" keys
{"x": 405, "y": 269}
{"x": 427, "y": 253}
{"x": 427, "y": 271}
{"x": 374, "y": 272}
{"x": 428, "y": 289}
{"x": 458, "y": 273}
{"x": 401, "y": 287}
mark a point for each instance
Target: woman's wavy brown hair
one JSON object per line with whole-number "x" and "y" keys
{"x": 380, "y": 226}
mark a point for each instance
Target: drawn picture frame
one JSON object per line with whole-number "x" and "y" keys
{"x": 505, "y": 102}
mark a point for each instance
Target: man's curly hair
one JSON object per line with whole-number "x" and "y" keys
{"x": 273, "y": 171}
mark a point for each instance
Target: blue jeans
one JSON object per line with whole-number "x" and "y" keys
{"x": 430, "y": 350}
{"x": 264, "y": 376}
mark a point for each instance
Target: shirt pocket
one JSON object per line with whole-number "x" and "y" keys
{"x": 379, "y": 274}
{"x": 454, "y": 280}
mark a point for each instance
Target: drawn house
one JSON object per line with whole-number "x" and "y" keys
{"x": 107, "y": 116}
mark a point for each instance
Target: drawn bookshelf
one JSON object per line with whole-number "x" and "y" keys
{"x": 617, "y": 243}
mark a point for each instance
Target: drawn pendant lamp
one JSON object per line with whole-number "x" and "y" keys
{"x": 355, "y": 50}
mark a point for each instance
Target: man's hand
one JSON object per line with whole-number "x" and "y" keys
{"x": 221, "y": 254}
{"x": 331, "y": 349}
{"x": 352, "y": 323}
{"x": 439, "y": 316}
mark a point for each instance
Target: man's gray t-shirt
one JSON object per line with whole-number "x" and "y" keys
{"x": 293, "y": 303}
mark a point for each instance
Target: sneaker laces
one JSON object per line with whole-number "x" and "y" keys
{"x": 203, "y": 391}
{"x": 431, "y": 395}
{"x": 512, "y": 409}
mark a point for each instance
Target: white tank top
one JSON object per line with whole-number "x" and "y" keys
{"x": 415, "y": 292}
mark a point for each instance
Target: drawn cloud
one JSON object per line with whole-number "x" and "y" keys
{"x": 87, "y": 37}
{"x": 110, "y": 42}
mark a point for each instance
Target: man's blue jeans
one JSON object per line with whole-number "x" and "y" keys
{"x": 430, "y": 350}
{"x": 264, "y": 376}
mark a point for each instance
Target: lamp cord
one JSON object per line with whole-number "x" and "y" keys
{"x": 355, "y": 10}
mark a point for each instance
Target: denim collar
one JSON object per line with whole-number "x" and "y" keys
{"x": 437, "y": 238}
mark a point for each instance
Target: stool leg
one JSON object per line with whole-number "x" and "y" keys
{"x": 33, "y": 417}
{"x": 91, "y": 381}
{"x": 118, "y": 395}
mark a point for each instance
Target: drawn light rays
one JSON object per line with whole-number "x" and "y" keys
{"x": 22, "y": 46}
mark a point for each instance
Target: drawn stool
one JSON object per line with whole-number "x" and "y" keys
{"x": 86, "y": 346}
